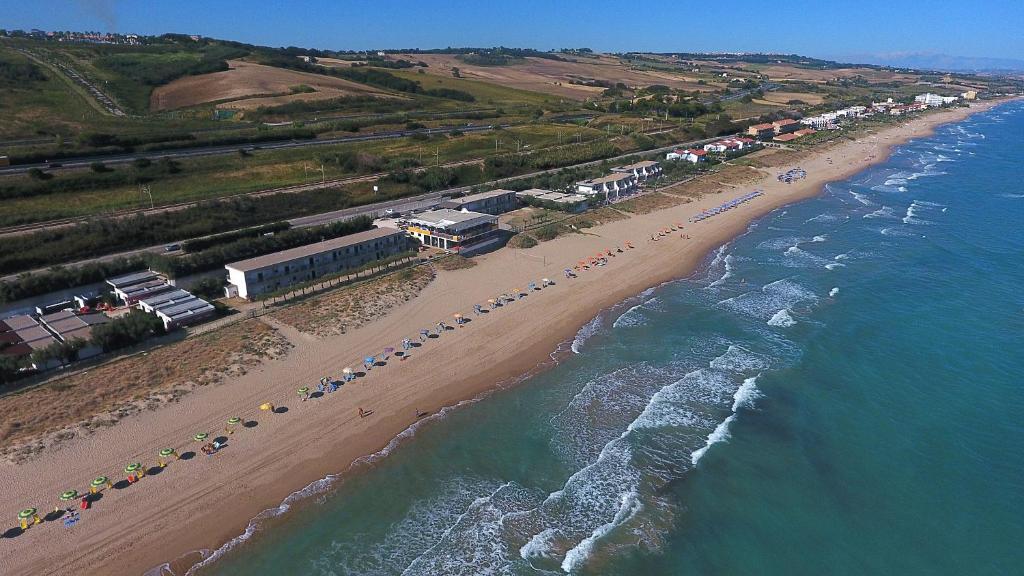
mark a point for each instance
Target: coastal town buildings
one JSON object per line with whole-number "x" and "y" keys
{"x": 641, "y": 170}
{"x": 494, "y": 202}
{"x": 271, "y": 272}
{"x": 177, "y": 308}
{"x": 762, "y": 131}
{"x": 609, "y": 187}
{"x": 561, "y": 201}
{"x": 934, "y": 100}
{"x": 453, "y": 230}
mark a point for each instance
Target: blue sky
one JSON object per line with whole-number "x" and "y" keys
{"x": 824, "y": 28}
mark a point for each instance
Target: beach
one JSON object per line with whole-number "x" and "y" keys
{"x": 200, "y": 504}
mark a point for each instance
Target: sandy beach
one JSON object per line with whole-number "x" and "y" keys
{"x": 195, "y": 506}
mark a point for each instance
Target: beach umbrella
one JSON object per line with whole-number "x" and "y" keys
{"x": 135, "y": 471}
{"x": 388, "y": 351}
{"x": 28, "y": 514}
{"x": 97, "y": 484}
{"x": 544, "y": 282}
{"x": 164, "y": 455}
{"x": 201, "y": 437}
{"x": 68, "y": 495}
{"x": 267, "y": 407}
{"x": 304, "y": 391}
{"x": 369, "y": 360}
{"x": 232, "y": 422}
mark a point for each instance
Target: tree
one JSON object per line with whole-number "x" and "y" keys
{"x": 127, "y": 330}
{"x": 10, "y": 368}
{"x": 456, "y": 72}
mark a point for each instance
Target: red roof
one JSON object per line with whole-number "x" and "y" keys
{"x": 744, "y": 140}
{"x": 696, "y": 152}
{"x": 763, "y": 126}
{"x": 784, "y": 122}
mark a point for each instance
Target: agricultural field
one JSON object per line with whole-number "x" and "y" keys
{"x": 248, "y": 85}
{"x": 560, "y": 78}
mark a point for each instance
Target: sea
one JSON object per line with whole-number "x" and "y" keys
{"x": 837, "y": 391}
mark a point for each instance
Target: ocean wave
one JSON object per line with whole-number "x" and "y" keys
{"x": 886, "y": 212}
{"x": 782, "y": 319}
{"x": 833, "y": 292}
{"x": 911, "y": 215}
{"x": 1011, "y": 195}
{"x": 585, "y": 332}
{"x": 727, "y": 273}
{"x": 629, "y": 506}
{"x": 834, "y": 265}
{"x": 861, "y": 198}
{"x": 740, "y": 360}
{"x": 763, "y": 303}
{"x": 746, "y": 394}
{"x": 628, "y": 318}
{"x": 719, "y": 434}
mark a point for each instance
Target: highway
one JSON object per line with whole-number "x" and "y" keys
{"x": 400, "y": 205}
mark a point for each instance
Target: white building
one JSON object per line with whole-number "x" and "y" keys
{"x": 934, "y": 100}
{"x": 610, "y": 187}
{"x": 453, "y": 230}
{"x": 641, "y": 170}
{"x": 271, "y": 272}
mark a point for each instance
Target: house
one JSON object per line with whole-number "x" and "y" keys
{"x": 785, "y": 137}
{"x": 762, "y": 131}
{"x": 453, "y": 230}
{"x": 641, "y": 170}
{"x": 695, "y": 156}
{"x": 675, "y": 154}
{"x": 271, "y": 272}
{"x": 610, "y": 187}
{"x": 494, "y": 202}
{"x": 785, "y": 126}
{"x": 969, "y": 95}
{"x": 804, "y": 132}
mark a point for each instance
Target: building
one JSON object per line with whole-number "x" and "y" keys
{"x": 695, "y": 156}
{"x": 67, "y": 325}
{"x": 785, "y": 137}
{"x": 610, "y": 187}
{"x": 641, "y": 170}
{"x": 934, "y": 100}
{"x": 761, "y": 131}
{"x": 22, "y": 335}
{"x": 804, "y": 132}
{"x": 131, "y": 282}
{"x": 969, "y": 95}
{"x": 177, "y": 308}
{"x": 785, "y": 126}
{"x": 494, "y": 202}
{"x": 567, "y": 202}
{"x": 271, "y": 272}
{"x": 453, "y": 230}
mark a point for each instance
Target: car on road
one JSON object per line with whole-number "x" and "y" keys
{"x": 172, "y": 247}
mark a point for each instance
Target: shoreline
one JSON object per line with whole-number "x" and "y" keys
{"x": 283, "y": 453}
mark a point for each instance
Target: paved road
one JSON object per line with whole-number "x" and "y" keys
{"x": 85, "y": 161}
{"x": 401, "y": 205}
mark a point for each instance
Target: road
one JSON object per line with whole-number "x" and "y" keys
{"x": 401, "y": 205}
{"x": 85, "y": 161}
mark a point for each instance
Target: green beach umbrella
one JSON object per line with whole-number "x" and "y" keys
{"x": 133, "y": 467}
{"x": 26, "y": 513}
{"x": 99, "y": 481}
{"x": 69, "y": 495}
{"x": 201, "y": 436}
{"x": 234, "y": 420}
{"x": 167, "y": 452}
{"x": 304, "y": 390}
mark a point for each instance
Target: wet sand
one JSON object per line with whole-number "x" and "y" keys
{"x": 199, "y": 504}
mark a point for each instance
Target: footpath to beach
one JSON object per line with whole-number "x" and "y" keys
{"x": 199, "y": 504}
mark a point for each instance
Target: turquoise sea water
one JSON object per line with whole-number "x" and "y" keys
{"x": 838, "y": 391}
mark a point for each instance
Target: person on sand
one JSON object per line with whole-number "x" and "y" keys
{"x": 364, "y": 413}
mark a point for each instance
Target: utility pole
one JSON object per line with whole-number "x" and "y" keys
{"x": 437, "y": 156}
{"x": 323, "y": 175}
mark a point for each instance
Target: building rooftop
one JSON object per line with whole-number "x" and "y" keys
{"x": 193, "y": 306}
{"x": 533, "y": 192}
{"x": 637, "y": 165}
{"x": 20, "y": 321}
{"x": 166, "y": 298}
{"x": 784, "y": 122}
{"x": 310, "y": 249}
{"x": 131, "y": 279}
{"x": 447, "y": 218}
{"x": 763, "y": 126}
{"x": 481, "y": 196}
{"x": 786, "y": 137}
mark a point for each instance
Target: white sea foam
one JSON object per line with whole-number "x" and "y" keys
{"x": 746, "y": 394}
{"x": 834, "y": 265}
{"x": 719, "y": 434}
{"x": 911, "y": 217}
{"x": 584, "y": 333}
{"x": 842, "y": 256}
{"x": 727, "y": 263}
{"x": 819, "y": 238}
{"x": 763, "y": 303}
{"x": 782, "y": 318}
{"x": 832, "y": 293}
{"x": 631, "y": 317}
{"x": 883, "y": 212}
{"x": 1011, "y": 195}
{"x": 740, "y": 360}
{"x": 861, "y": 198}
{"x": 629, "y": 506}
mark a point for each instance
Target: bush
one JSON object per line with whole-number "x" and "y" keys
{"x": 127, "y": 330}
{"x": 522, "y": 240}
